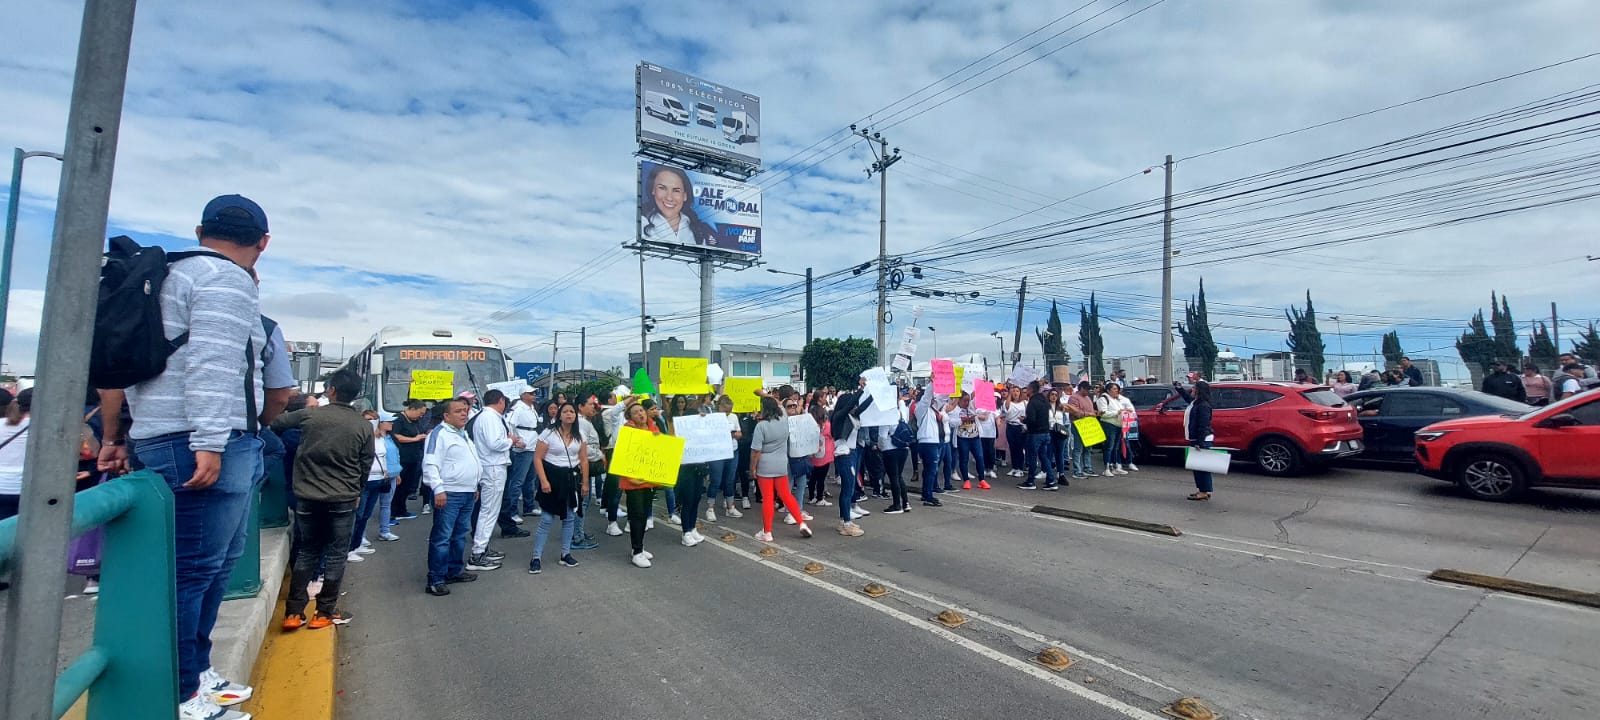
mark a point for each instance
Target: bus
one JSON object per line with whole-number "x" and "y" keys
{"x": 386, "y": 363}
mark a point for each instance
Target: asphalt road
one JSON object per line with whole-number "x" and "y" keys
{"x": 1299, "y": 598}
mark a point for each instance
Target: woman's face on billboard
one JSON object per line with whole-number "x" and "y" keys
{"x": 669, "y": 194}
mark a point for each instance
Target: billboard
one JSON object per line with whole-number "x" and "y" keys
{"x": 683, "y": 111}
{"x": 531, "y": 372}
{"x": 681, "y": 207}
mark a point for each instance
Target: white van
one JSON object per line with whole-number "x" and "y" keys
{"x": 666, "y": 107}
{"x": 706, "y": 114}
{"x": 739, "y": 127}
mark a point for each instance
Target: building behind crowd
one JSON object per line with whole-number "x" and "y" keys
{"x": 774, "y": 365}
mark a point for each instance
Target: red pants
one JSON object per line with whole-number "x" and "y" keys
{"x": 776, "y": 487}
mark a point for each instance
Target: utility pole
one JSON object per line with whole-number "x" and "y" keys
{"x": 12, "y": 206}
{"x": 1016, "y": 341}
{"x": 555, "y": 343}
{"x": 1555, "y": 329}
{"x": 881, "y": 167}
{"x": 1166, "y": 280}
{"x": 707, "y": 268}
{"x": 44, "y": 523}
{"x": 583, "y": 352}
{"x": 808, "y": 306}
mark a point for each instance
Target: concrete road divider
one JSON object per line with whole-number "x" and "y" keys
{"x": 1148, "y": 527}
{"x": 1517, "y": 587}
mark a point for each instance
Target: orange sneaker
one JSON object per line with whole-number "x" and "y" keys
{"x": 293, "y": 622}
{"x": 967, "y": 485}
{"x": 338, "y": 617}
{"x": 983, "y": 484}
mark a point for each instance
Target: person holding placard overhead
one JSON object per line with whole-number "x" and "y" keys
{"x": 640, "y": 495}
{"x": 769, "y": 462}
{"x": 1197, "y": 430}
{"x": 562, "y": 462}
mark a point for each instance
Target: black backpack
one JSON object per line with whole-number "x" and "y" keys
{"x": 130, "y": 342}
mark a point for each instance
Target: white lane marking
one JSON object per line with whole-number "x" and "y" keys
{"x": 975, "y": 615}
{"x": 1259, "y": 554}
{"x": 1105, "y": 701}
{"x": 1297, "y": 551}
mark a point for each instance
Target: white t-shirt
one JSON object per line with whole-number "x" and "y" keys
{"x": 379, "y": 461}
{"x": 12, "y": 456}
{"x": 559, "y": 454}
{"x": 733, "y": 427}
{"x": 986, "y": 424}
{"x": 1013, "y": 412}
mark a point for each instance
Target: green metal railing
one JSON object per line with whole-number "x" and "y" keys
{"x": 130, "y": 671}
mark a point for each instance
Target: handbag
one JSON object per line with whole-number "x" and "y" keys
{"x": 1090, "y": 431}
{"x": 1207, "y": 460}
{"x": 903, "y": 436}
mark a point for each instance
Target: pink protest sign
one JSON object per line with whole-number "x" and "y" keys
{"x": 944, "y": 377}
{"x": 983, "y": 395}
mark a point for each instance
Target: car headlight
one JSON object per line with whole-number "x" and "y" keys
{"x": 1431, "y": 435}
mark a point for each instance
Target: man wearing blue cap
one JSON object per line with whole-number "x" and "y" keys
{"x": 196, "y": 424}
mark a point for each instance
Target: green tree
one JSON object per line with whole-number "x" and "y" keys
{"x": 831, "y": 361}
{"x": 1051, "y": 340}
{"x": 1540, "y": 349}
{"x": 1587, "y": 346}
{"x": 1392, "y": 352}
{"x": 599, "y": 385}
{"x": 1476, "y": 348}
{"x": 1089, "y": 339}
{"x": 1305, "y": 340}
{"x": 1505, "y": 331}
{"x": 1198, "y": 347}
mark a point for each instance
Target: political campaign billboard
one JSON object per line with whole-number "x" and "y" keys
{"x": 682, "y": 207}
{"x": 684, "y": 112}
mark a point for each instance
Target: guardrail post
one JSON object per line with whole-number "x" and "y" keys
{"x": 245, "y": 580}
{"x": 136, "y": 618}
{"x": 274, "y": 503}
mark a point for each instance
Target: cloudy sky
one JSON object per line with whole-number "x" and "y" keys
{"x": 448, "y": 163}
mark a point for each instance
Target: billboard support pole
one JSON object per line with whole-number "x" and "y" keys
{"x": 644, "y": 344}
{"x": 707, "y": 291}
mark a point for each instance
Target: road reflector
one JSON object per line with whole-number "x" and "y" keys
{"x": 1053, "y": 658}
{"x": 873, "y": 589}
{"x": 950, "y": 619}
{"x": 768, "y": 551}
{"x": 1190, "y": 708}
{"x": 729, "y": 537}
{"x": 812, "y": 567}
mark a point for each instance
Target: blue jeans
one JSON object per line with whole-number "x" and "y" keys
{"x": 1039, "y": 460}
{"x": 1082, "y": 459}
{"x": 947, "y": 461}
{"x": 799, "y": 473}
{"x": 1114, "y": 450}
{"x": 569, "y": 525}
{"x": 969, "y": 446}
{"x": 1202, "y": 479}
{"x": 845, "y": 465}
{"x": 521, "y": 484}
{"x": 373, "y": 493}
{"x": 210, "y": 526}
{"x": 722, "y": 480}
{"x": 929, "y": 454}
{"x": 447, "y": 541}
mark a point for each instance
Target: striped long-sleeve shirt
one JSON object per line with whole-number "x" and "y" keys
{"x": 202, "y": 390}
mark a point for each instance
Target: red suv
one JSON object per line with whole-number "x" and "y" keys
{"x": 1281, "y": 427}
{"x": 1497, "y": 457}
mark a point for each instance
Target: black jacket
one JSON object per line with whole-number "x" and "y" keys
{"x": 1505, "y": 385}
{"x": 1197, "y": 418}
{"x": 1036, "y": 418}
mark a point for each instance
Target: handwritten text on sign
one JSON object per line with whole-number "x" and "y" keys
{"x": 433, "y": 384}
{"x": 983, "y": 395}
{"x": 944, "y": 376}
{"x": 684, "y": 376}
{"x": 647, "y": 457}
{"x": 743, "y": 393}
{"x": 705, "y": 437}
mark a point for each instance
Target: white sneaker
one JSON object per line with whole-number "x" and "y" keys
{"x": 200, "y": 707}
{"x": 822, "y": 503}
{"x": 744, "y": 502}
{"x": 788, "y": 519}
{"x": 1130, "y": 467}
{"x": 621, "y": 513}
{"x": 674, "y": 519}
{"x": 764, "y": 536}
{"x": 990, "y": 473}
{"x": 648, "y": 555}
{"x": 697, "y": 535}
{"x": 858, "y": 512}
{"x": 354, "y": 558}
{"x": 366, "y": 543}
{"x": 1119, "y": 471}
{"x": 806, "y": 516}
{"x": 733, "y": 512}
{"x": 222, "y": 691}
{"x": 1108, "y": 473}
{"x": 613, "y": 530}
{"x": 650, "y": 523}
{"x": 805, "y": 531}
{"x": 388, "y": 537}
{"x": 518, "y": 519}
{"x": 639, "y": 560}
{"x": 1038, "y": 476}
{"x": 711, "y": 514}
{"x": 689, "y": 540}
{"x": 537, "y": 512}
{"x": 365, "y": 549}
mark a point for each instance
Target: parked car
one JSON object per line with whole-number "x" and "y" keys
{"x": 1498, "y": 457}
{"x": 1281, "y": 427}
{"x": 1147, "y": 397}
{"x": 1390, "y": 417}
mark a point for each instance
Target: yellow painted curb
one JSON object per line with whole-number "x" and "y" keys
{"x": 294, "y": 676}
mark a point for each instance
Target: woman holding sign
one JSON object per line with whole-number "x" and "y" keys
{"x": 640, "y": 495}
{"x": 1197, "y": 430}
{"x": 769, "y": 462}
{"x": 563, "y": 466}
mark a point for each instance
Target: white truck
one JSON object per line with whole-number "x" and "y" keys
{"x": 738, "y": 127}
{"x": 666, "y": 107}
{"x": 706, "y": 114}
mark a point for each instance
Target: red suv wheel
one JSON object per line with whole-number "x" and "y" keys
{"x": 1491, "y": 476}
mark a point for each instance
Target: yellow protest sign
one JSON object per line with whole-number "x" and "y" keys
{"x": 684, "y": 376}
{"x": 1089, "y": 431}
{"x": 743, "y": 393}
{"x": 959, "y": 371}
{"x": 433, "y": 384}
{"x": 647, "y": 457}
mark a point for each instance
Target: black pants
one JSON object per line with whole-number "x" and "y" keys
{"x": 894, "y": 462}
{"x": 816, "y": 482}
{"x": 610, "y": 492}
{"x": 410, "y": 479}
{"x": 639, "y": 502}
{"x": 988, "y": 454}
{"x": 743, "y": 473}
{"x": 323, "y": 529}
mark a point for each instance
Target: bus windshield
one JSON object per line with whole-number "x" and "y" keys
{"x": 475, "y": 369}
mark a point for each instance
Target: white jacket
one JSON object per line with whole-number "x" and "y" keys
{"x": 492, "y": 436}
{"x": 450, "y": 461}
{"x": 524, "y": 421}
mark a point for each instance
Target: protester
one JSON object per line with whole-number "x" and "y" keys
{"x": 1500, "y": 382}
{"x": 640, "y": 495}
{"x": 409, "y": 437}
{"x": 611, "y": 489}
{"x": 1111, "y": 407}
{"x": 1060, "y": 435}
{"x": 593, "y": 443}
{"x": 13, "y": 449}
{"x": 822, "y": 461}
{"x": 799, "y": 459}
{"x": 1197, "y": 431}
{"x": 1013, "y": 412}
{"x": 562, "y": 462}
{"x": 1572, "y": 384}
{"x": 1565, "y": 359}
{"x": 968, "y": 443}
{"x": 928, "y": 421}
{"x": 1412, "y": 373}
{"x": 337, "y": 452}
{"x": 724, "y": 473}
{"x": 1536, "y": 386}
{"x": 492, "y": 438}
{"x": 691, "y": 481}
{"x": 519, "y": 495}
{"x": 842, "y": 434}
{"x": 769, "y": 452}
{"x": 1341, "y": 384}
{"x": 450, "y": 466}
{"x": 382, "y": 477}
{"x": 987, "y": 429}
{"x": 1036, "y": 422}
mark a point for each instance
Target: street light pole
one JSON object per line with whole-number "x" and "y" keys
{"x": 1339, "y": 328}
{"x": 807, "y": 276}
{"x": 1002, "y": 340}
{"x": 935, "y": 335}
{"x": 13, "y": 204}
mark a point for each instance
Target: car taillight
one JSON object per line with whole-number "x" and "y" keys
{"x": 1321, "y": 414}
